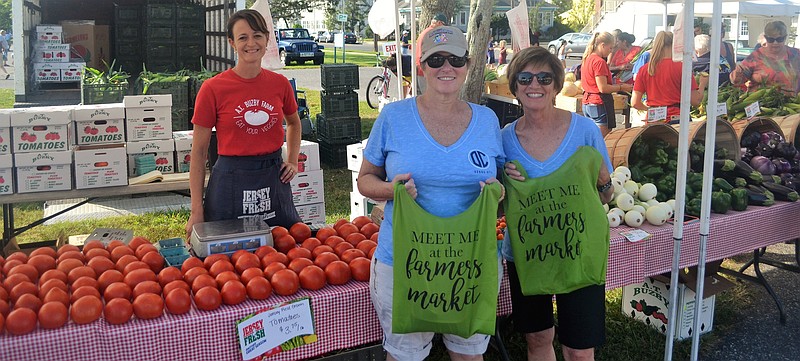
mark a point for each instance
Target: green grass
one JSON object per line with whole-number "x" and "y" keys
{"x": 626, "y": 339}
{"x": 360, "y": 58}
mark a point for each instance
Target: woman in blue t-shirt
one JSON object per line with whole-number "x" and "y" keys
{"x": 543, "y": 141}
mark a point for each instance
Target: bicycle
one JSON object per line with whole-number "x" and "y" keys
{"x": 378, "y": 88}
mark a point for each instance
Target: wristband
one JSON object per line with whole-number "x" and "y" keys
{"x": 604, "y": 187}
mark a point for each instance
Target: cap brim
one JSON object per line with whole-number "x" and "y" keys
{"x": 452, "y": 49}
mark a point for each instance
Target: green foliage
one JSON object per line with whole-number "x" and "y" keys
{"x": 580, "y": 14}
{"x": 356, "y": 10}
{"x": 499, "y": 25}
{"x": 5, "y": 15}
{"x": 557, "y": 30}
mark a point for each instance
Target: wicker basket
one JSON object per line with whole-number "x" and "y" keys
{"x": 789, "y": 125}
{"x": 757, "y": 124}
{"x": 620, "y": 141}
{"x": 726, "y": 136}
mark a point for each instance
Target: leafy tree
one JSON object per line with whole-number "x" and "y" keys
{"x": 499, "y": 25}
{"x": 580, "y": 14}
{"x": 534, "y": 20}
{"x": 5, "y": 15}
{"x": 288, "y": 10}
{"x": 356, "y": 10}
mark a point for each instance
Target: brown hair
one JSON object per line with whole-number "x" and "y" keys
{"x": 252, "y": 17}
{"x": 598, "y": 38}
{"x": 662, "y": 47}
{"x": 775, "y": 26}
{"x": 536, "y": 56}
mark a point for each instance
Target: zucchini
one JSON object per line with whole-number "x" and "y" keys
{"x": 755, "y": 198}
{"x": 781, "y": 193}
{"x": 722, "y": 184}
{"x": 744, "y": 170}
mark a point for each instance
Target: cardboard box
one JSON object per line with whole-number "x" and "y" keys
{"x": 6, "y": 174}
{"x": 312, "y": 213}
{"x": 42, "y": 129}
{"x": 43, "y": 171}
{"x": 308, "y": 188}
{"x": 106, "y": 235}
{"x": 89, "y": 42}
{"x": 72, "y": 71}
{"x": 354, "y": 178}
{"x": 183, "y": 150}
{"x": 46, "y": 73}
{"x": 99, "y": 123}
{"x": 51, "y": 53}
{"x": 102, "y": 165}
{"x": 377, "y": 213}
{"x": 49, "y": 37}
{"x": 360, "y": 205}
{"x": 492, "y": 87}
{"x": 648, "y": 302}
{"x": 162, "y": 150}
{"x": 49, "y": 28}
{"x": 5, "y": 131}
{"x": 28, "y": 248}
{"x": 355, "y": 155}
{"x": 148, "y": 117}
{"x": 308, "y": 159}
{"x": 570, "y": 104}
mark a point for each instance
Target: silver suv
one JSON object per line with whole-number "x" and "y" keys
{"x": 576, "y": 44}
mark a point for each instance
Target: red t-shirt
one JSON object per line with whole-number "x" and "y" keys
{"x": 248, "y": 113}
{"x": 592, "y": 67}
{"x": 663, "y": 88}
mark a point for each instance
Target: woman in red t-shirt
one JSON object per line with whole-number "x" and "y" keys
{"x": 621, "y": 60}
{"x": 247, "y": 106}
{"x": 598, "y": 103}
{"x": 660, "y": 79}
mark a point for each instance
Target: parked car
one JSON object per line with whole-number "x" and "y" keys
{"x": 576, "y": 44}
{"x": 318, "y": 35}
{"x": 350, "y": 38}
{"x": 326, "y": 37}
{"x": 297, "y": 45}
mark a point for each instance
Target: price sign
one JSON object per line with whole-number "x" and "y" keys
{"x": 341, "y": 18}
{"x": 272, "y": 330}
{"x": 635, "y": 235}
{"x": 752, "y": 110}
{"x": 722, "y": 109}
{"x": 657, "y": 113}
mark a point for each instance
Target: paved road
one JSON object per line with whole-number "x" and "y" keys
{"x": 310, "y": 79}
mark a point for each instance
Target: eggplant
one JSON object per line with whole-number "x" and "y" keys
{"x": 747, "y": 172}
{"x": 788, "y": 180}
{"x": 764, "y": 149}
{"x": 781, "y": 165}
{"x": 748, "y": 153}
{"x": 782, "y": 193}
{"x": 755, "y": 198}
{"x": 751, "y": 139}
{"x": 785, "y": 150}
{"x": 763, "y": 165}
{"x": 795, "y": 165}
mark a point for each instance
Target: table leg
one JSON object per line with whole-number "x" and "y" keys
{"x": 496, "y": 340}
{"x": 759, "y": 279}
{"x": 8, "y": 225}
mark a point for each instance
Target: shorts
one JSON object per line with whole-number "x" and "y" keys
{"x": 413, "y": 346}
{"x": 581, "y": 313}
{"x": 596, "y": 112}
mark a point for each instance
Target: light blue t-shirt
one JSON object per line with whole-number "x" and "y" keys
{"x": 582, "y": 131}
{"x": 639, "y": 63}
{"x": 447, "y": 178}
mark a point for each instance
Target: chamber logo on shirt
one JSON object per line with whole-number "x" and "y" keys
{"x": 256, "y": 116}
{"x": 479, "y": 160}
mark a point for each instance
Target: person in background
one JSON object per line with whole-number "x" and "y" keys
{"x": 660, "y": 79}
{"x": 503, "y": 52}
{"x": 544, "y": 141}
{"x": 4, "y": 48}
{"x": 426, "y": 142}
{"x": 726, "y": 49}
{"x": 534, "y": 37}
{"x": 246, "y": 105}
{"x": 698, "y": 30}
{"x": 760, "y": 41}
{"x": 406, "y": 76}
{"x": 773, "y": 64}
{"x": 562, "y": 53}
{"x": 405, "y": 39}
{"x": 598, "y": 103}
{"x": 490, "y": 52}
{"x": 639, "y": 63}
{"x": 622, "y": 57}
{"x": 703, "y": 63}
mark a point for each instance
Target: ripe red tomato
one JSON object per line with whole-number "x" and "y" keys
{"x": 270, "y": 270}
{"x": 22, "y": 288}
{"x": 98, "y": 252}
{"x": 117, "y": 290}
{"x": 114, "y": 244}
{"x": 66, "y": 248}
{"x": 144, "y": 249}
{"x": 176, "y": 284}
{"x": 251, "y": 273}
{"x": 19, "y": 256}
{"x": 371, "y": 252}
{"x": 26, "y": 269}
{"x": 134, "y": 266}
{"x": 2, "y": 322}
{"x": 72, "y": 254}
{"x": 341, "y": 247}
{"x": 140, "y": 275}
{"x": 333, "y": 241}
{"x": 118, "y": 311}
{"x": 366, "y": 245}
{"x": 346, "y": 229}
{"x": 300, "y": 231}
{"x": 374, "y": 237}
{"x": 263, "y": 251}
{"x": 285, "y": 243}
{"x": 312, "y": 278}
{"x": 233, "y": 293}
{"x": 86, "y": 310}
{"x": 168, "y": 275}
{"x": 137, "y": 241}
{"x": 28, "y": 300}
{"x": 203, "y": 281}
{"x": 4, "y": 309}
{"x": 320, "y": 250}
{"x": 82, "y": 271}
{"x": 88, "y": 246}
{"x": 147, "y": 287}
{"x": 360, "y": 221}
{"x": 193, "y": 273}
{"x": 311, "y": 243}
{"x": 278, "y": 231}
{"x": 148, "y": 306}
{"x": 53, "y": 274}
{"x": 360, "y": 269}
{"x": 338, "y": 273}
{"x": 49, "y": 285}
{"x": 42, "y": 263}
{"x": 325, "y": 232}
{"x": 10, "y": 264}
{"x": 325, "y": 259}
{"x": 109, "y": 277}
{"x": 85, "y": 291}
{"x": 53, "y": 315}
{"x": 190, "y": 263}
{"x": 369, "y": 229}
{"x": 247, "y": 261}
{"x": 235, "y": 256}
{"x": 351, "y": 254}
{"x": 48, "y": 251}
{"x": 211, "y": 259}
{"x": 355, "y": 238}
{"x": 56, "y": 295}
{"x": 226, "y": 277}
{"x": 299, "y": 252}
{"x": 100, "y": 265}
{"x": 208, "y": 299}
{"x": 276, "y": 257}
{"x": 85, "y": 281}
{"x": 258, "y": 288}
{"x": 219, "y": 267}
{"x": 14, "y": 280}
{"x": 339, "y": 223}
{"x": 285, "y": 282}
{"x": 154, "y": 260}
{"x": 21, "y": 321}
{"x": 178, "y": 302}
{"x": 124, "y": 261}
{"x": 298, "y": 264}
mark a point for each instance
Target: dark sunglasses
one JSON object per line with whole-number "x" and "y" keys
{"x": 437, "y": 61}
{"x": 526, "y": 78}
{"x": 779, "y": 39}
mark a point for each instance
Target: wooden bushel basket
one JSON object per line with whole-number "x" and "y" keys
{"x": 789, "y": 125}
{"x": 620, "y": 141}
{"x": 726, "y": 136}
{"x": 757, "y": 124}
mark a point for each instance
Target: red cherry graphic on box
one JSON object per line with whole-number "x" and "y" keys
{"x": 114, "y": 127}
{"x": 32, "y": 138}
{"x": 54, "y": 37}
{"x": 47, "y": 136}
{"x": 1, "y": 139}
{"x": 95, "y": 131}
{"x": 53, "y": 74}
{"x": 87, "y": 130}
{"x": 47, "y": 55}
{"x": 24, "y": 136}
{"x": 187, "y": 158}
{"x": 69, "y": 73}
{"x": 56, "y": 136}
{"x": 42, "y": 74}
{"x": 2, "y": 180}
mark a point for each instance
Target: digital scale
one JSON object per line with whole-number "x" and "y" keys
{"x": 228, "y": 236}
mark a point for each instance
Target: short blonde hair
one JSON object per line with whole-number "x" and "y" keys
{"x": 701, "y": 43}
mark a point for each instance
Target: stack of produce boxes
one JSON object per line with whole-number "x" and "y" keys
{"x": 42, "y": 148}
{"x": 359, "y": 204}
{"x": 190, "y": 36}
{"x": 183, "y": 150}
{"x": 308, "y": 191}
{"x": 128, "y": 37}
{"x": 6, "y": 159}
{"x": 51, "y": 59}
{"x": 339, "y": 123}
{"x": 149, "y": 130}
{"x": 100, "y": 156}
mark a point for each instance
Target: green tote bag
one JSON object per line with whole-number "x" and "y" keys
{"x": 557, "y": 226}
{"x": 445, "y": 269}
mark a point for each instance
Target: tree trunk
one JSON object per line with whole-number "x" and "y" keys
{"x": 432, "y": 7}
{"x": 478, "y": 31}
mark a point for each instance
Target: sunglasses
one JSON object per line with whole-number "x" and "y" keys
{"x": 437, "y": 61}
{"x": 526, "y": 78}
{"x": 779, "y": 39}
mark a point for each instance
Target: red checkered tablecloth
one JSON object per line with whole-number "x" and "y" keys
{"x": 344, "y": 317}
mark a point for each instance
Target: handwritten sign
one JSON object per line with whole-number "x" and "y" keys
{"x": 276, "y": 329}
{"x": 656, "y": 114}
{"x": 752, "y": 110}
{"x": 635, "y": 235}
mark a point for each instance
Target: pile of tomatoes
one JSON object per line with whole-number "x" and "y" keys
{"x": 500, "y": 228}
{"x": 118, "y": 281}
